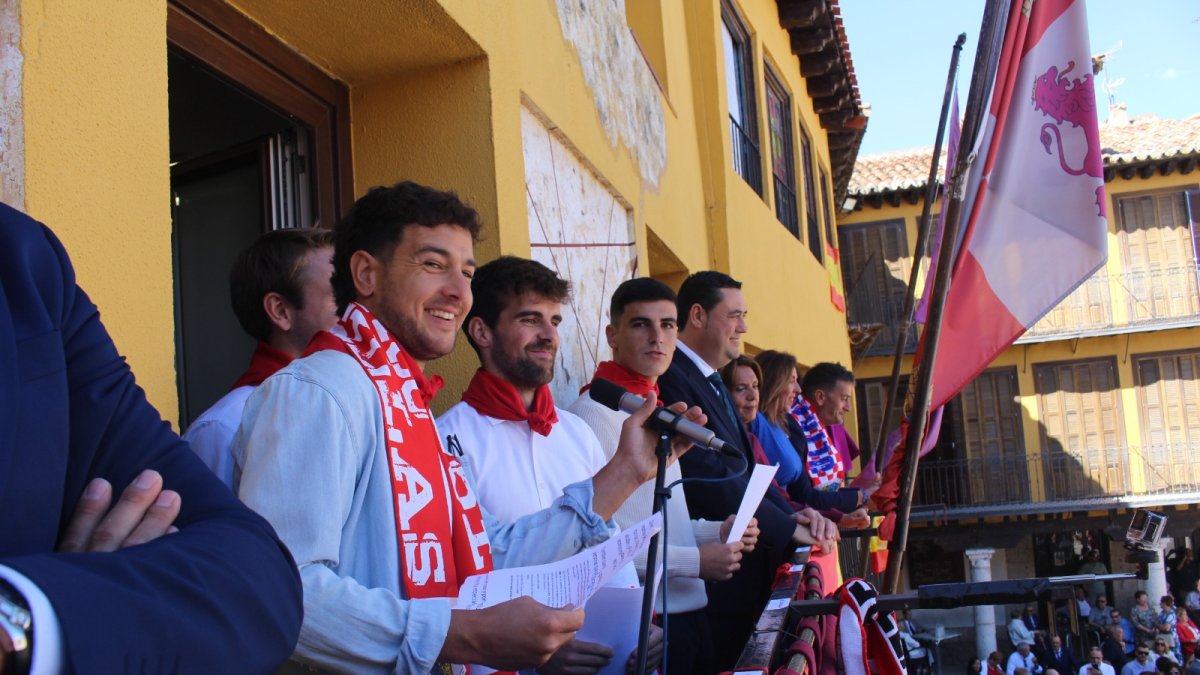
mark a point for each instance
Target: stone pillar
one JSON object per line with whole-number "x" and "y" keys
{"x": 1156, "y": 573}
{"x": 985, "y": 615}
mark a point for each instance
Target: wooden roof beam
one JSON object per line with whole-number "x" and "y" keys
{"x": 812, "y": 65}
{"x": 812, "y": 41}
{"x": 825, "y": 85}
{"x": 828, "y": 104}
{"x": 800, "y": 13}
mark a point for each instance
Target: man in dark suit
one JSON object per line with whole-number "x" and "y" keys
{"x": 712, "y": 318}
{"x": 220, "y": 594}
{"x": 1059, "y": 657}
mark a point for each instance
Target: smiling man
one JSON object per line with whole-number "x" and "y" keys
{"x": 339, "y": 451}
{"x": 521, "y": 448}
{"x": 712, "y": 319}
{"x": 642, "y": 333}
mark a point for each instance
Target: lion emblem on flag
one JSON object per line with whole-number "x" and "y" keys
{"x": 1072, "y": 100}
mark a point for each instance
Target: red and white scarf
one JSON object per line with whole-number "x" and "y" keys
{"x": 496, "y": 397}
{"x": 868, "y": 640}
{"x": 441, "y": 536}
{"x": 825, "y": 467}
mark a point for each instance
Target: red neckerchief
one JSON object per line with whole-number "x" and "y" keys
{"x": 495, "y": 397}
{"x": 265, "y": 362}
{"x": 427, "y": 518}
{"x": 634, "y": 383}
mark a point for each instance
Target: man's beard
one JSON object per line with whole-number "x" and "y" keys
{"x": 524, "y": 372}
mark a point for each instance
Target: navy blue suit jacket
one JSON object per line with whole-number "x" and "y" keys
{"x": 220, "y": 595}
{"x": 683, "y": 381}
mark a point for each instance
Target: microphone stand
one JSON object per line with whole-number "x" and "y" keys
{"x": 661, "y": 495}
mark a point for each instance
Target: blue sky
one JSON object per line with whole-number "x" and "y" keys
{"x": 901, "y": 50}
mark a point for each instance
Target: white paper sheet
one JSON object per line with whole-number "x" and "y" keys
{"x": 760, "y": 480}
{"x": 565, "y": 582}
{"x": 611, "y": 618}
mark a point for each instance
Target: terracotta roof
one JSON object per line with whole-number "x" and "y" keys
{"x": 1144, "y": 140}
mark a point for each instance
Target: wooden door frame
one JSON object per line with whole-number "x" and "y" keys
{"x": 216, "y": 35}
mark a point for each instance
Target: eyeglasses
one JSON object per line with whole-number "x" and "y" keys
{"x": 1143, "y": 653}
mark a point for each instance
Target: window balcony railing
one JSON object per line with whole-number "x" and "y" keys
{"x": 746, "y": 160}
{"x": 1152, "y": 298}
{"x": 785, "y": 207}
{"x": 1095, "y": 477}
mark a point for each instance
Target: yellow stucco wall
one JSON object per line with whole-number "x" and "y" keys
{"x": 436, "y": 92}
{"x": 96, "y": 166}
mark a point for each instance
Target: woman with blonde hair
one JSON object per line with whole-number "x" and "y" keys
{"x": 780, "y": 388}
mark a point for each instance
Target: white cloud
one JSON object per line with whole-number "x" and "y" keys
{"x": 1169, "y": 74}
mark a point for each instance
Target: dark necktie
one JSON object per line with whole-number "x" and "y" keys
{"x": 717, "y": 384}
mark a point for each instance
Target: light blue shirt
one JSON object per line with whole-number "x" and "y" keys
{"x": 310, "y": 457}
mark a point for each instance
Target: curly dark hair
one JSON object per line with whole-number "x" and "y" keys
{"x": 377, "y": 222}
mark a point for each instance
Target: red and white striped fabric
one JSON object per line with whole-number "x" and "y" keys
{"x": 1037, "y": 225}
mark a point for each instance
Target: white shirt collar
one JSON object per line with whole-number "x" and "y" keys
{"x": 705, "y": 369}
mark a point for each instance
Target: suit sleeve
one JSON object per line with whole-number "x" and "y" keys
{"x": 718, "y": 500}
{"x": 221, "y": 595}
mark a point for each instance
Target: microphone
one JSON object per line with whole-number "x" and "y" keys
{"x": 662, "y": 419}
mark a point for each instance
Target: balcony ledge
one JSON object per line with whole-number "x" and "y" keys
{"x": 1124, "y": 329}
{"x": 930, "y": 513}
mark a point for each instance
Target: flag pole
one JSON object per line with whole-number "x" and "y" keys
{"x": 991, "y": 35}
{"x": 910, "y": 296}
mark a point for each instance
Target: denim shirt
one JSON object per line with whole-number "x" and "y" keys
{"x": 310, "y": 457}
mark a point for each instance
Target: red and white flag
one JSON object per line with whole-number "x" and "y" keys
{"x": 1037, "y": 226}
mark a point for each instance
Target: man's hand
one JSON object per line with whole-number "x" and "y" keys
{"x": 749, "y": 537}
{"x": 719, "y": 561}
{"x": 578, "y": 658}
{"x": 144, "y": 512}
{"x": 855, "y": 520}
{"x": 654, "y": 653}
{"x": 520, "y": 633}
{"x": 635, "y": 461}
{"x": 6, "y": 648}
{"x": 820, "y": 528}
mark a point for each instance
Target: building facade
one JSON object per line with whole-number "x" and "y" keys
{"x": 1095, "y": 411}
{"x": 607, "y": 140}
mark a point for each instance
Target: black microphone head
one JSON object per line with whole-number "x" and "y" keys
{"x": 606, "y": 393}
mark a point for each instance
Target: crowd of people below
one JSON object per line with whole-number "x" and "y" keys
{"x": 1149, "y": 639}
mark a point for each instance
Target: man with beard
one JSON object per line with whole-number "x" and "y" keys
{"x": 522, "y": 450}
{"x": 642, "y": 334}
{"x": 339, "y": 451}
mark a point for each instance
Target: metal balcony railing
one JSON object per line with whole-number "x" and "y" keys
{"x": 1089, "y": 475}
{"x": 1153, "y": 298}
{"x": 786, "y": 207}
{"x": 746, "y": 160}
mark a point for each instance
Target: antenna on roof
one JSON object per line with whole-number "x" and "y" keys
{"x": 1117, "y": 113}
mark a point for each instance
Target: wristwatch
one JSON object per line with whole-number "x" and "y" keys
{"x": 17, "y": 622}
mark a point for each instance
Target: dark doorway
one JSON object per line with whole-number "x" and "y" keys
{"x": 260, "y": 140}
{"x": 237, "y": 170}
